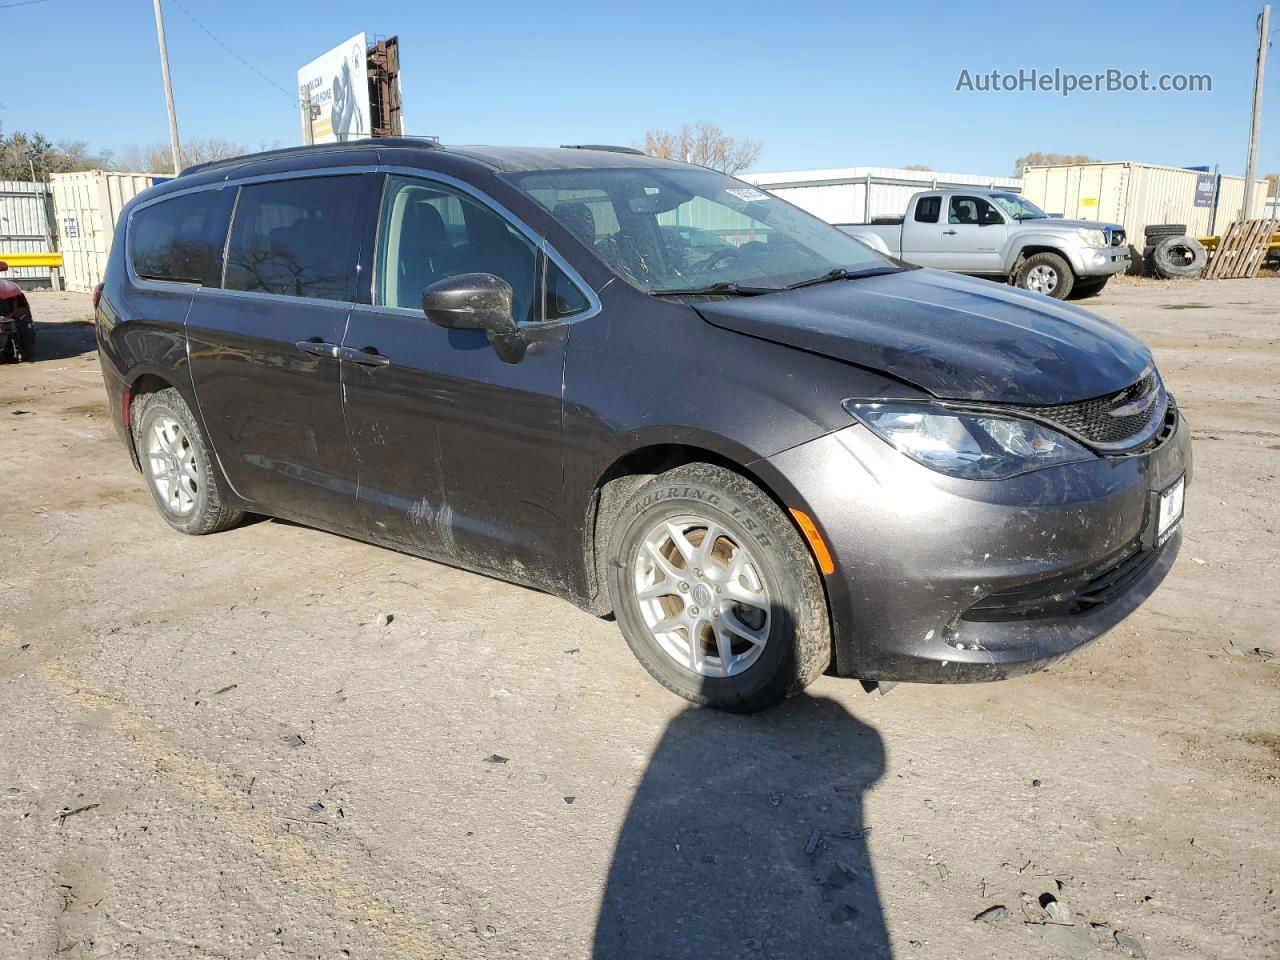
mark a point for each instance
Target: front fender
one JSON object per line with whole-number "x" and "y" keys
{"x": 1071, "y": 252}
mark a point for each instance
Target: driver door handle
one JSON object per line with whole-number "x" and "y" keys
{"x": 368, "y": 357}
{"x": 948, "y": 233}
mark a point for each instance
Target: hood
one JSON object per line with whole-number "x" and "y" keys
{"x": 958, "y": 338}
{"x": 1070, "y": 224}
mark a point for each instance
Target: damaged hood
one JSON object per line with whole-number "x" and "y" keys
{"x": 958, "y": 338}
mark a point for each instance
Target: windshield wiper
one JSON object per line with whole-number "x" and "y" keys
{"x": 724, "y": 288}
{"x": 843, "y": 273}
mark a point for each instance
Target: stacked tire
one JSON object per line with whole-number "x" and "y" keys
{"x": 1171, "y": 253}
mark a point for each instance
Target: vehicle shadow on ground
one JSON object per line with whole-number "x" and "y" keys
{"x": 61, "y": 341}
{"x": 745, "y": 839}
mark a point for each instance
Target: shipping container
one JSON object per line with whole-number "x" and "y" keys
{"x": 859, "y": 194}
{"x": 1139, "y": 195}
{"x": 86, "y": 208}
{"x": 24, "y": 228}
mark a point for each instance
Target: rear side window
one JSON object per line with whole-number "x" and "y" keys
{"x": 927, "y": 209}
{"x": 294, "y": 237}
{"x": 179, "y": 240}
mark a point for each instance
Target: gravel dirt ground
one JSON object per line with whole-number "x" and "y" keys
{"x": 210, "y": 748}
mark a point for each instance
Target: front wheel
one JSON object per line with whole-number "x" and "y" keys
{"x": 715, "y": 591}
{"x": 178, "y": 466}
{"x": 1046, "y": 273}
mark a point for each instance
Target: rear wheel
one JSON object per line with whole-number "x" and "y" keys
{"x": 715, "y": 591}
{"x": 177, "y": 465}
{"x": 1046, "y": 273}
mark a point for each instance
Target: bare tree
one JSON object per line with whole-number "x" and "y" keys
{"x": 157, "y": 158}
{"x": 705, "y": 144}
{"x": 21, "y": 153}
{"x": 1036, "y": 158}
{"x": 1273, "y": 180}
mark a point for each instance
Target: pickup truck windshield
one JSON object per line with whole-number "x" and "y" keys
{"x": 672, "y": 231}
{"x": 1018, "y": 207}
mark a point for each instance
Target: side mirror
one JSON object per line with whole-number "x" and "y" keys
{"x": 476, "y": 301}
{"x": 991, "y": 218}
{"x": 3, "y": 266}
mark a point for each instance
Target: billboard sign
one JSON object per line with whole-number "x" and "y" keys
{"x": 338, "y": 83}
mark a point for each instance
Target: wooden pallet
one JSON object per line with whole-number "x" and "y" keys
{"x": 1241, "y": 251}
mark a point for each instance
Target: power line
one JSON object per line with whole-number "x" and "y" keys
{"x": 292, "y": 96}
{"x": 21, "y": 3}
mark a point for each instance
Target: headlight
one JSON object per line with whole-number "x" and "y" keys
{"x": 973, "y": 446}
{"x": 1092, "y": 238}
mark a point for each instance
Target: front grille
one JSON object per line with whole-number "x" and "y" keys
{"x": 1093, "y": 422}
{"x": 1066, "y": 596}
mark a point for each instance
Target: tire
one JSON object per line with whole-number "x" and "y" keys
{"x": 25, "y": 346}
{"x": 177, "y": 465}
{"x": 1088, "y": 288}
{"x": 1158, "y": 230}
{"x": 1046, "y": 273}
{"x": 785, "y": 608}
{"x": 1179, "y": 256}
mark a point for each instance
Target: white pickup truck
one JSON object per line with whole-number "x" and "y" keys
{"x": 995, "y": 234}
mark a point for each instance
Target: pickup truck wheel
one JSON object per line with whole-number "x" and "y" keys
{"x": 1046, "y": 273}
{"x": 715, "y": 591}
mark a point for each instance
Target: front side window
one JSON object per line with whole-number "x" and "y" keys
{"x": 294, "y": 237}
{"x": 429, "y": 232}
{"x": 971, "y": 210}
{"x": 179, "y": 240}
{"x": 672, "y": 230}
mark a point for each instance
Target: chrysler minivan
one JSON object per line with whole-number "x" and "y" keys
{"x": 653, "y": 390}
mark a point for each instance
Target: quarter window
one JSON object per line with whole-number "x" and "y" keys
{"x": 294, "y": 237}
{"x": 179, "y": 240}
{"x": 927, "y": 209}
{"x": 430, "y": 232}
{"x": 563, "y": 298}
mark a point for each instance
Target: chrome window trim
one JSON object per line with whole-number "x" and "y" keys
{"x": 594, "y": 306}
{"x": 274, "y": 297}
{"x": 539, "y": 242}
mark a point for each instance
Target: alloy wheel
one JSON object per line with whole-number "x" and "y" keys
{"x": 703, "y": 596}
{"x": 172, "y": 460}
{"x": 1042, "y": 279}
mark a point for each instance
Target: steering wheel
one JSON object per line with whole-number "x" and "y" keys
{"x": 718, "y": 260}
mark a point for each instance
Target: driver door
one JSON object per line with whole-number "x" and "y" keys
{"x": 974, "y": 237}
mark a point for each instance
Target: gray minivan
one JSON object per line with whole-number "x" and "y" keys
{"x": 653, "y": 390}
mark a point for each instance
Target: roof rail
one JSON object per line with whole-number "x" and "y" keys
{"x": 607, "y": 148}
{"x": 285, "y": 152}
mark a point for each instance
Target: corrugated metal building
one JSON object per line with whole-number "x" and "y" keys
{"x": 857, "y": 194}
{"x": 24, "y": 228}
{"x": 87, "y": 205}
{"x": 1139, "y": 195}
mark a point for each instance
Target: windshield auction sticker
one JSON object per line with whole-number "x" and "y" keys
{"x": 748, "y": 194}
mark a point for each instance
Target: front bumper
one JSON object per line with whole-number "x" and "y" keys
{"x": 1099, "y": 261}
{"x": 915, "y": 551}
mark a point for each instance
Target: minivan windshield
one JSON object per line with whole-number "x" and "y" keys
{"x": 1019, "y": 208}
{"x": 668, "y": 230}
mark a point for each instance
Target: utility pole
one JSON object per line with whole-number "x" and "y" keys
{"x": 168, "y": 89}
{"x": 1264, "y": 37}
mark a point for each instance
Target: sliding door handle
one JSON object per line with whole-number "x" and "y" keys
{"x": 318, "y": 348}
{"x": 368, "y": 357}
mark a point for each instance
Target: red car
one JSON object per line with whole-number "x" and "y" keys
{"x": 17, "y": 328}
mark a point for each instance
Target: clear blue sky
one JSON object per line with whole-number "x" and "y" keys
{"x": 821, "y": 83}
